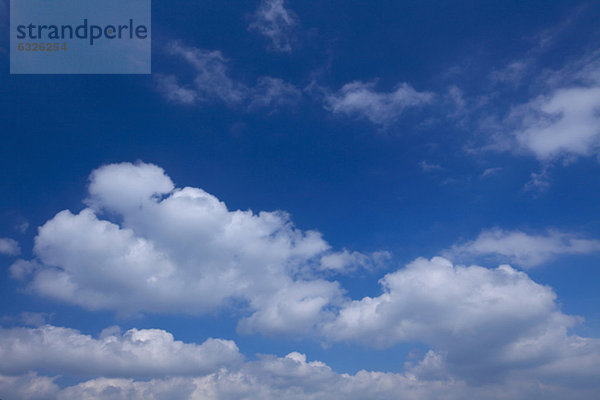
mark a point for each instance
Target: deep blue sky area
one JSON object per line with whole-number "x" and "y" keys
{"x": 445, "y": 149}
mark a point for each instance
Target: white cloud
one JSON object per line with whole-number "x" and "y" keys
{"x": 564, "y": 123}
{"x": 487, "y": 323}
{"x": 362, "y": 100}
{"x": 346, "y": 261}
{"x": 182, "y": 250}
{"x": 136, "y": 353}
{"x": 290, "y": 377}
{"x": 432, "y": 299}
{"x": 274, "y": 21}
{"x": 9, "y": 247}
{"x": 524, "y": 249}
{"x": 293, "y": 377}
{"x": 212, "y": 83}
{"x": 561, "y": 122}
{"x": 28, "y": 387}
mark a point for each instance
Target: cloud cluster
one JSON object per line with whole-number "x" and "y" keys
{"x": 523, "y": 249}
{"x": 144, "y": 245}
{"x": 293, "y": 377}
{"x": 275, "y": 22}
{"x": 182, "y": 250}
{"x": 144, "y": 353}
{"x": 360, "y": 99}
{"x": 485, "y": 322}
{"x": 213, "y": 83}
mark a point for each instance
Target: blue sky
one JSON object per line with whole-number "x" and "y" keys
{"x": 332, "y": 199}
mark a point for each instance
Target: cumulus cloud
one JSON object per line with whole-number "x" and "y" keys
{"x": 135, "y": 353}
{"x": 212, "y": 83}
{"x": 183, "y": 250}
{"x": 524, "y": 249}
{"x": 290, "y": 377}
{"x": 274, "y": 21}
{"x": 9, "y": 247}
{"x": 28, "y": 386}
{"x": 493, "y": 333}
{"x": 360, "y": 99}
{"x": 484, "y": 324}
{"x": 562, "y": 121}
{"x": 294, "y": 377}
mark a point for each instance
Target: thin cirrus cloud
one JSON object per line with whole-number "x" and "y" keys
{"x": 524, "y": 249}
{"x": 276, "y": 23}
{"x": 361, "y": 100}
{"x": 212, "y": 83}
{"x": 182, "y": 250}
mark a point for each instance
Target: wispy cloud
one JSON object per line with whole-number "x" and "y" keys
{"x": 512, "y": 73}
{"x": 9, "y": 247}
{"x": 212, "y": 82}
{"x": 169, "y": 86}
{"x": 490, "y": 171}
{"x": 273, "y": 93}
{"x": 427, "y": 167}
{"x": 360, "y": 99}
{"x": 274, "y": 21}
{"x": 524, "y": 249}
